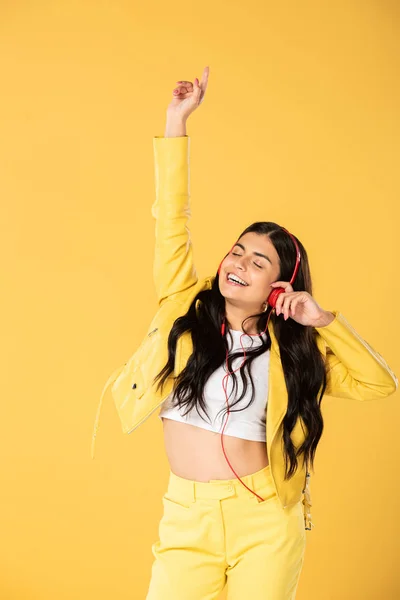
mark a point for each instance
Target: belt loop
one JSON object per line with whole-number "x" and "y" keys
{"x": 192, "y": 495}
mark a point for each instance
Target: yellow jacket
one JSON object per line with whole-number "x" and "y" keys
{"x": 355, "y": 370}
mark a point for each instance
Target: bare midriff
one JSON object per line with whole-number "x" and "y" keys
{"x": 196, "y": 454}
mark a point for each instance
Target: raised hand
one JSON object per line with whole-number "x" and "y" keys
{"x": 187, "y": 96}
{"x": 301, "y": 307}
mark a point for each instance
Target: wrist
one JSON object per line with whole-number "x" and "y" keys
{"x": 325, "y": 319}
{"x": 175, "y": 127}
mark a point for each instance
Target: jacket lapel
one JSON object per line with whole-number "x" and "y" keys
{"x": 277, "y": 392}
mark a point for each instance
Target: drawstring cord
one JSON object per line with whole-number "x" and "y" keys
{"x": 112, "y": 378}
{"x": 308, "y": 524}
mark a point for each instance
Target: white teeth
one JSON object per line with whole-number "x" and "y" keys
{"x": 236, "y": 279}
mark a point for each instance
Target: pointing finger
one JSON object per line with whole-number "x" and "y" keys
{"x": 204, "y": 79}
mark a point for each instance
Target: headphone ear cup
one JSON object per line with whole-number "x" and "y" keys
{"x": 273, "y": 297}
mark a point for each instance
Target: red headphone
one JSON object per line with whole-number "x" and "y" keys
{"x": 271, "y": 301}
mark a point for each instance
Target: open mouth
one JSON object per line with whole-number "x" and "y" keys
{"x": 236, "y": 281}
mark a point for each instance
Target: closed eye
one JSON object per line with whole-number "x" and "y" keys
{"x": 259, "y": 266}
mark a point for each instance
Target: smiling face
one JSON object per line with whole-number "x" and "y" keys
{"x": 256, "y": 262}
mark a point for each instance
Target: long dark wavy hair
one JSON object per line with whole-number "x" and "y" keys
{"x": 302, "y": 362}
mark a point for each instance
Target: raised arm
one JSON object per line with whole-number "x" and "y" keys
{"x": 173, "y": 269}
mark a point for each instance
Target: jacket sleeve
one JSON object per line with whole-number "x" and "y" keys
{"x": 173, "y": 268}
{"x": 354, "y": 369}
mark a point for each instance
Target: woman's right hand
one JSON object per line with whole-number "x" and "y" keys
{"x": 188, "y": 97}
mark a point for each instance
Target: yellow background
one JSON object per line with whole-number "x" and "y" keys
{"x": 300, "y": 126}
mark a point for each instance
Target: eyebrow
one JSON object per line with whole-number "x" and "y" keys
{"x": 256, "y": 253}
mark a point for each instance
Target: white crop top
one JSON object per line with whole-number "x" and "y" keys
{"x": 248, "y": 424}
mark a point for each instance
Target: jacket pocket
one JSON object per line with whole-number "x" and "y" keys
{"x": 148, "y": 348}
{"x": 128, "y": 387}
{"x": 137, "y": 383}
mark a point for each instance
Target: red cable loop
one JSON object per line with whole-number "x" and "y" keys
{"x": 227, "y": 400}
{"x": 271, "y": 302}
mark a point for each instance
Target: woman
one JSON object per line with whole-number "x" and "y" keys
{"x": 225, "y": 356}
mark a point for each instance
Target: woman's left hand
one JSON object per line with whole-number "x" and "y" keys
{"x": 300, "y": 306}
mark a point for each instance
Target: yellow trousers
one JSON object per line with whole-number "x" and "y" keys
{"x": 217, "y": 532}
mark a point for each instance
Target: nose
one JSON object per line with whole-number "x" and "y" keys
{"x": 240, "y": 262}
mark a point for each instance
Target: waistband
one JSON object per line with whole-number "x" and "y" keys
{"x": 218, "y": 489}
{"x": 262, "y": 480}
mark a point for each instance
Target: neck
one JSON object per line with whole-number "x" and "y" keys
{"x": 235, "y": 316}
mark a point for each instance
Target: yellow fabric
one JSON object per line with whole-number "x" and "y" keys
{"x": 217, "y": 533}
{"x": 355, "y": 370}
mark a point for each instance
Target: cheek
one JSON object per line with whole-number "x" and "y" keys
{"x": 226, "y": 265}
{"x": 262, "y": 283}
